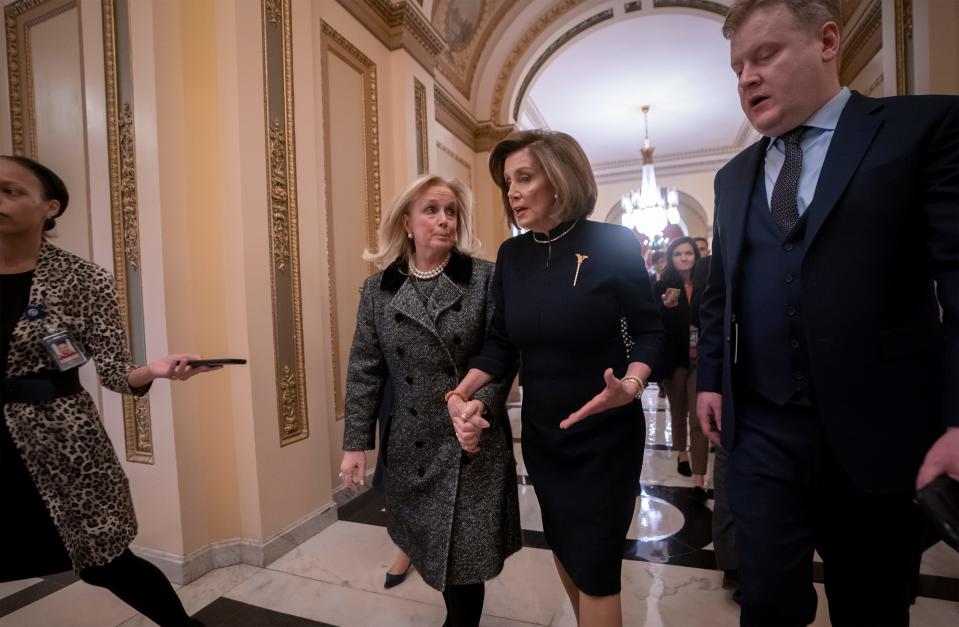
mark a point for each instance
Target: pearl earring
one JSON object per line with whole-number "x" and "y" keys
{"x": 409, "y": 235}
{"x": 555, "y": 196}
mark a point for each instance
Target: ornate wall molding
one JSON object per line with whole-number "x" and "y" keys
{"x": 422, "y": 141}
{"x": 479, "y": 136}
{"x": 121, "y": 155}
{"x": 903, "y": 45}
{"x": 458, "y": 159}
{"x": 459, "y": 66}
{"x": 284, "y": 228}
{"x": 399, "y": 24}
{"x": 699, "y": 5}
{"x": 863, "y": 40}
{"x": 544, "y": 21}
{"x": 332, "y": 42}
{"x": 560, "y": 41}
{"x": 19, "y": 18}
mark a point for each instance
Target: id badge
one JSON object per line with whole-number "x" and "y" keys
{"x": 64, "y": 349}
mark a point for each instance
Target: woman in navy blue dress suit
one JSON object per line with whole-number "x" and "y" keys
{"x": 574, "y": 302}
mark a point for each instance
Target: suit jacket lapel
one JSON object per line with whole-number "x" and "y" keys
{"x": 739, "y": 186}
{"x": 445, "y": 294}
{"x": 854, "y": 133}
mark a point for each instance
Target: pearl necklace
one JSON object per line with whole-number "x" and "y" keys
{"x": 550, "y": 241}
{"x": 429, "y": 274}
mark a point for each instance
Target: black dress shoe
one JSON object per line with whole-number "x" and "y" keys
{"x": 684, "y": 469}
{"x": 395, "y": 580}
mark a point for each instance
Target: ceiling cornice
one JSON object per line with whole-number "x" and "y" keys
{"x": 399, "y": 25}
{"x": 479, "y": 136}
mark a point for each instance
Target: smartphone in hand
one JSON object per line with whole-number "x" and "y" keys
{"x": 221, "y": 361}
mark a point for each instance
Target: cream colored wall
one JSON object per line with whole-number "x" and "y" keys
{"x": 936, "y": 46}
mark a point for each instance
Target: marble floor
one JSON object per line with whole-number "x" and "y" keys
{"x": 336, "y": 577}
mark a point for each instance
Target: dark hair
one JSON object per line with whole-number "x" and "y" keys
{"x": 671, "y": 274}
{"x": 809, "y": 14}
{"x": 563, "y": 161}
{"x": 701, "y": 239}
{"x": 52, "y": 185}
{"x": 657, "y": 255}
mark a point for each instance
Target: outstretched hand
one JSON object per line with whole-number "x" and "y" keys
{"x": 616, "y": 394}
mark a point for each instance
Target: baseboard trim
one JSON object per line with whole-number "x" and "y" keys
{"x": 182, "y": 569}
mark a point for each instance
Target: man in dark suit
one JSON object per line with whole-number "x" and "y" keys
{"x": 809, "y": 322}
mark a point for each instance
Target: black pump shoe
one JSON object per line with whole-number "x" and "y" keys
{"x": 684, "y": 469}
{"x": 395, "y": 580}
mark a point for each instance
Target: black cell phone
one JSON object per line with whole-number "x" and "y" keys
{"x": 222, "y": 361}
{"x": 939, "y": 499}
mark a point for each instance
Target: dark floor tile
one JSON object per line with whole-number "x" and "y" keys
{"x": 229, "y": 613}
{"x": 49, "y": 585}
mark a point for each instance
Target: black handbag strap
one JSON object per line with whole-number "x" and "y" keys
{"x": 38, "y": 387}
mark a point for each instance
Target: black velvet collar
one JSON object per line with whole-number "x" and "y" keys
{"x": 459, "y": 270}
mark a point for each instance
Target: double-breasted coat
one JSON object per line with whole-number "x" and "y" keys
{"x": 455, "y": 514}
{"x": 63, "y": 443}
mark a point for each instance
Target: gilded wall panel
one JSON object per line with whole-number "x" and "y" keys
{"x": 283, "y": 223}
{"x": 352, "y": 172}
{"x": 127, "y": 265}
{"x": 422, "y": 141}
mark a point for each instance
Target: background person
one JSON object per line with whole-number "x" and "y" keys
{"x": 64, "y": 499}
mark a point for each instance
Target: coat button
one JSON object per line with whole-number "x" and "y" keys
{"x": 457, "y": 339}
{"x": 794, "y": 343}
{"x": 421, "y": 471}
{"x": 409, "y": 380}
{"x": 449, "y": 372}
{"x": 418, "y": 444}
{"x": 788, "y": 246}
{"x": 465, "y": 459}
{"x": 412, "y": 411}
{"x": 788, "y": 278}
{"x": 790, "y": 311}
{"x": 398, "y": 317}
{"x": 400, "y": 351}
{"x": 456, "y": 307}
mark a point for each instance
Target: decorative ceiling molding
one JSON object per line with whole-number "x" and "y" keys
{"x": 677, "y": 162}
{"x": 459, "y": 60}
{"x": 863, "y": 41}
{"x": 535, "y": 115}
{"x": 551, "y": 50}
{"x": 698, "y": 5}
{"x": 398, "y": 25}
{"x": 535, "y": 30}
{"x": 479, "y": 136}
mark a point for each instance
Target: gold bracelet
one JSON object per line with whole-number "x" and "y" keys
{"x": 451, "y": 393}
{"x": 639, "y": 383}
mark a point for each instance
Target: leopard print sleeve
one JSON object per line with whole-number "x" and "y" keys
{"x": 107, "y": 340}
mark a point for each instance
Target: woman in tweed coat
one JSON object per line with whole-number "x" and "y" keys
{"x": 454, "y": 513}
{"x": 64, "y": 499}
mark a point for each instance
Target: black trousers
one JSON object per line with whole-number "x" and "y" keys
{"x": 790, "y": 496}
{"x": 143, "y": 587}
{"x": 464, "y": 604}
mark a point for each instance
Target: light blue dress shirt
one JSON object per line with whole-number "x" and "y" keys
{"x": 815, "y": 144}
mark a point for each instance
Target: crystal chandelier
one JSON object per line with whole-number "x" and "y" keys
{"x": 650, "y": 209}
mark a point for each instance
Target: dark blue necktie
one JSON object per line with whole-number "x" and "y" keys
{"x": 783, "y": 205}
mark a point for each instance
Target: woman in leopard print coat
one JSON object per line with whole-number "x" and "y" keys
{"x": 64, "y": 498}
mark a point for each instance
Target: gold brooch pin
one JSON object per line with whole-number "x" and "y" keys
{"x": 579, "y": 262}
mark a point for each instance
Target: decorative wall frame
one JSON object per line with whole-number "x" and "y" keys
{"x": 332, "y": 42}
{"x": 124, "y": 212}
{"x": 283, "y": 220}
{"x": 19, "y": 18}
{"x": 422, "y": 142}
{"x": 458, "y": 159}
{"x": 903, "y": 46}
{"x": 862, "y": 41}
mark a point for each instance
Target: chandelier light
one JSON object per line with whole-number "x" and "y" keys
{"x": 650, "y": 209}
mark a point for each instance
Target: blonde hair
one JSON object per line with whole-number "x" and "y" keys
{"x": 563, "y": 161}
{"x": 809, "y": 14}
{"x": 391, "y": 238}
